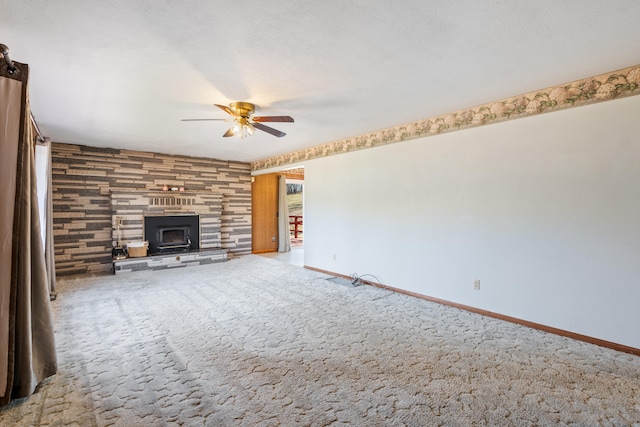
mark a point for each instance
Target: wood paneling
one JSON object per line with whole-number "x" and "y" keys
{"x": 264, "y": 213}
{"x": 296, "y": 176}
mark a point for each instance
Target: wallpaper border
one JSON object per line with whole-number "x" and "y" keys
{"x": 603, "y": 87}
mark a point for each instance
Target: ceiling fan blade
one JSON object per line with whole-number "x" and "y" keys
{"x": 201, "y": 120}
{"x": 272, "y": 119}
{"x": 229, "y": 133}
{"x": 225, "y": 109}
{"x": 272, "y": 131}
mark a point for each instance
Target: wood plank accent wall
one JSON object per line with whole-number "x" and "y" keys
{"x": 84, "y": 177}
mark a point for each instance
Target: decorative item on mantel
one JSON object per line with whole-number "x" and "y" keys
{"x": 165, "y": 187}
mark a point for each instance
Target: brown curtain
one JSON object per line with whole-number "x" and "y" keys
{"x": 27, "y": 349}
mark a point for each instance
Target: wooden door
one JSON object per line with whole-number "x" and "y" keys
{"x": 264, "y": 213}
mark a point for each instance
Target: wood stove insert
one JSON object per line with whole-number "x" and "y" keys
{"x": 172, "y": 233}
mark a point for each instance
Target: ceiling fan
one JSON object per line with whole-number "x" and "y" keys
{"x": 245, "y": 122}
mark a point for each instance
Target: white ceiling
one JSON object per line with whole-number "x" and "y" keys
{"x": 122, "y": 73}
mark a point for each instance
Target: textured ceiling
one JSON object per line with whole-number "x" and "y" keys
{"x": 123, "y": 73}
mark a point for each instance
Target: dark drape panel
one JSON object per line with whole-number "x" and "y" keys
{"x": 27, "y": 350}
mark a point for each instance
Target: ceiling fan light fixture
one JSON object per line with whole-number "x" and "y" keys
{"x": 242, "y": 128}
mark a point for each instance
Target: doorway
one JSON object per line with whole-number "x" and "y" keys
{"x": 295, "y": 203}
{"x": 265, "y": 213}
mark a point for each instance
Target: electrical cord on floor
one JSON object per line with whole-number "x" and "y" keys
{"x": 357, "y": 280}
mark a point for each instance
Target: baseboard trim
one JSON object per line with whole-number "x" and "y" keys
{"x": 533, "y": 325}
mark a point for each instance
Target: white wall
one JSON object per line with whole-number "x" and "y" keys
{"x": 545, "y": 211}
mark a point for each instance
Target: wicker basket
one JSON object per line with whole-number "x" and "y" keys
{"x": 137, "y": 249}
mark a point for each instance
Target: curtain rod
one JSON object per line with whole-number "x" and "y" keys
{"x": 35, "y": 126}
{"x": 4, "y": 51}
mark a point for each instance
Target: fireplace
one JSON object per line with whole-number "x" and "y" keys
{"x": 172, "y": 233}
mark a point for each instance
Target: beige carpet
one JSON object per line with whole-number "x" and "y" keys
{"x": 256, "y": 342}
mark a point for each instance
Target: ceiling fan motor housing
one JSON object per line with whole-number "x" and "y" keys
{"x": 243, "y": 109}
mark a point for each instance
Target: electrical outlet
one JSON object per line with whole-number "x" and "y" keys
{"x": 476, "y": 284}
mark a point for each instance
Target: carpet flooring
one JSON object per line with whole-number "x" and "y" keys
{"x": 256, "y": 342}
